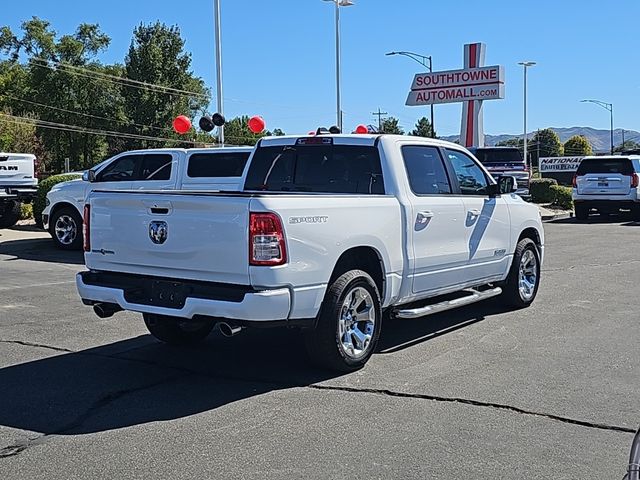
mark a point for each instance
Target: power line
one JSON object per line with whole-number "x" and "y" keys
{"x": 91, "y": 131}
{"x": 114, "y": 120}
{"x": 123, "y": 81}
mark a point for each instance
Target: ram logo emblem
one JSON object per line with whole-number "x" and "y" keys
{"x": 158, "y": 231}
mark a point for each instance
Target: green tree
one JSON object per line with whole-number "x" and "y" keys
{"x": 423, "y": 129}
{"x": 577, "y": 145}
{"x": 390, "y": 125}
{"x": 278, "y": 132}
{"x": 58, "y": 87}
{"x": 628, "y": 145}
{"x": 517, "y": 142}
{"x": 19, "y": 137}
{"x": 156, "y": 56}
{"x": 545, "y": 143}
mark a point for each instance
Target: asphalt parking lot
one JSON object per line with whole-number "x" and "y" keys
{"x": 549, "y": 392}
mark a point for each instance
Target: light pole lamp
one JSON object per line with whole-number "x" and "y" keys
{"x": 609, "y": 107}
{"x": 338, "y": 4}
{"x": 422, "y": 60}
{"x": 525, "y": 65}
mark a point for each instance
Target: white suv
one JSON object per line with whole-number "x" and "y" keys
{"x": 607, "y": 184}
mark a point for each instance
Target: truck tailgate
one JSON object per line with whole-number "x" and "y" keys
{"x": 173, "y": 235}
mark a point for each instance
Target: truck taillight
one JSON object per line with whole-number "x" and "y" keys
{"x": 86, "y": 223}
{"x": 575, "y": 181}
{"x": 266, "y": 240}
{"x": 635, "y": 180}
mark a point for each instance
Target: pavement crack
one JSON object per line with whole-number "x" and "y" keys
{"x": 38, "y": 345}
{"x": 476, "y": 403}
{"x": 93, "y": 409}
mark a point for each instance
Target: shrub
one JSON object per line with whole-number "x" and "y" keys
{"x": 562, "y": 197}
{"x": 540, "y": 190}
{"x": 43, "y": 188}
{"x": 26, "y": 211}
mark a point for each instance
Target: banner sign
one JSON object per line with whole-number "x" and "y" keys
{"x": 482, "y": 83}
{"x": 559, "y": 164}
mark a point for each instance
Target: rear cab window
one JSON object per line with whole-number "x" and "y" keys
{"x": 622, "y": 166}
{"x": 320, "y": 168}
{"x": 203, "y": 165}
{"x": 489, "y": 156}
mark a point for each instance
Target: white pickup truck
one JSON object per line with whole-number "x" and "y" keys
{"x": 18, "y": 184}
{"x": 330, "y": 233}
{"x": 153, "y": 169}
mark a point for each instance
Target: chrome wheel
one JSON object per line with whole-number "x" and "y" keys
{"x": 66, "y": 229}
{"x": 528, "y": 275}
{"x": 356, "y": 323}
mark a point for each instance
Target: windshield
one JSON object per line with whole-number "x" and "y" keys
{"x": 316, "y": 168}
{"x": 498, "y": 155}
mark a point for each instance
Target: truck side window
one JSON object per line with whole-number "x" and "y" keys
{"x": 156, "y": 167}
{"x": 426, "y": 172}
{"x": 471, "y": 178}
{"x": 217, "y": 164}
{"x": 121, "y": 170}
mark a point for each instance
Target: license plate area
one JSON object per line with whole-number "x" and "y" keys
{"x": 603, "y": 184}
{"x": 159, "y": 293}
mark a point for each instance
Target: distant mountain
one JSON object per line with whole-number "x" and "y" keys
{"x": 599, "y": 139}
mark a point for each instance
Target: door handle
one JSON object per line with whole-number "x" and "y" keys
{"x": 424, "y": 216}
{"x": 475, "y": 212}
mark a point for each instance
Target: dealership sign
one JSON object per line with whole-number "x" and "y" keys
{"x": 559, "y": 164}
{"x": 484, "y": 83}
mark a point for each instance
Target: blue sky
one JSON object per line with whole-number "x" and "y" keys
{"x": 279, "y": 57}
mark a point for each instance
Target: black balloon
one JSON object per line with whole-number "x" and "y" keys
{"x": 218, "y": 120}
{"x": 206, "y": 123}
{"x": 334, "y": 129}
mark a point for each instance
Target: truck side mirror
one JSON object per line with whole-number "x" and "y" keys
{"x": 89, "y": 176}
{"x": 507, "y": 184}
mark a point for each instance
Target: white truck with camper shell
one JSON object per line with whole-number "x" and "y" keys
{"x": 18, "y": 184}
{"x": 331, "y": 233}
{"x": 153, "y": 169}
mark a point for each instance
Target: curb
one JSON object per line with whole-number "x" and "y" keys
{"x": 557, "y": 216}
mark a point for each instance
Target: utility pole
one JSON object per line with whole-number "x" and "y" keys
{"x": 622, "y": 146}
{"x": 216, "y": 18}
{"x": 379, "y": 114}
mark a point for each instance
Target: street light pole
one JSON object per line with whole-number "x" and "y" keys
{"x": 422, "y": 60}
{"x": 216, "y": 13}
{"x": 525, "y": 65}
{"x": 609, "y": 108}
{"x": 338, "y": 4}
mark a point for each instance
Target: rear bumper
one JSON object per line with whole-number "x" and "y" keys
{"x": 18, "y": 193}
{"x": 246, "y": 305}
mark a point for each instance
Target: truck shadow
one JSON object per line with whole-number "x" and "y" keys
{"x": 139, "y": 380}
{"x": 39, "y": 249}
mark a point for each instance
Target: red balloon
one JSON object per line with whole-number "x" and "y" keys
{"x": 362, "y": 129}
{"x": 312, "y": 132}
{"x": 256, "y": 124}
{"x": 181, "y": 124}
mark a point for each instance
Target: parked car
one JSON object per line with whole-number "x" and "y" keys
{"x": 329, "y": 232}
{"x": 18, "y": 184}
{"x": 157, "y": 169}
{"x": 607, "y": 185}
{"x": 505, "y": 161}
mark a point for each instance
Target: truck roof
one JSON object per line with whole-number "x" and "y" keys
{"x": 355, "y": 139}
{"x": 235, "y": 148}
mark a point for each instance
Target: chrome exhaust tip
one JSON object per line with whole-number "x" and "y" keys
{"x": 229, "y": 330}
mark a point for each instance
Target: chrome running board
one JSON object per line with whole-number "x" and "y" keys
{"x": 473, "y": 297}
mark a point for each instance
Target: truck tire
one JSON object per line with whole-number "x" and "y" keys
{"x": 521, "y": 286}
{"x": 9, "y": 213}
{"x": 582, "y": 212}
{"x": 65, "y": 228}
{"x": 177, "y": 331}
{"x": 348, "y": 325}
